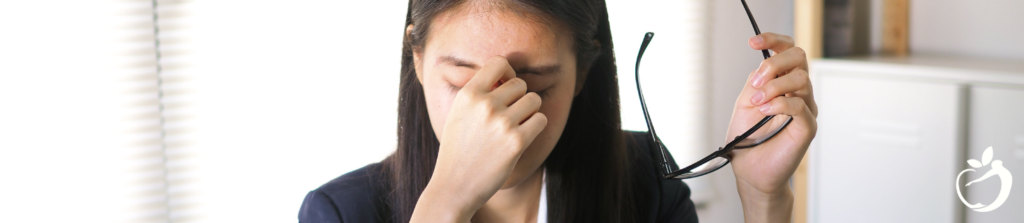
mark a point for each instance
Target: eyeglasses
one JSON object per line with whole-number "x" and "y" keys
{"x": 752, "y": 137}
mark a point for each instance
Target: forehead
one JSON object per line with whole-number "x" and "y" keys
{"x": 480, "y": 31}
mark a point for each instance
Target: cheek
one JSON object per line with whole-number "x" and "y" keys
{"x": 557, "y": 104}
{"x": 439, "y": 102}
{"x": 442, "y": 104}
{"x": 556, "y": 107}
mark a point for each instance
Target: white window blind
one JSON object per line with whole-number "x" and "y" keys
{"x": 673, "y": 73}
{"x": 267, "y": 100}
{"x": 251, "y": 103}
{"x": 79, "y": 113}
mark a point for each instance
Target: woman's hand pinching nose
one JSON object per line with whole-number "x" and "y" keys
{"x": 492, "y": 121}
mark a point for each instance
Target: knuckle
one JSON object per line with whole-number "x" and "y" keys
{"x": 787, "y": 38}
{"x": 509, "y": 124}
{"x": 519, "y": 136}
{"x": 516, "y": 142}
{"x": 486, "y": 104}
{"x": 769, "y": 88}
{"x": 503, "y": 124}
{"x": 487, "y": 101}
{"x": 769, "y": 66}
{"x": 800, "y": 72}
{"x": 769, "y": 37}
{"x": 777, "y": 102}
{"x": 487, "y": 109}
{"x": 799, "y": 52}
{"x": 465, "y": 95}
{"x": 798, "y": 104}
{"x": 803, "y": 77}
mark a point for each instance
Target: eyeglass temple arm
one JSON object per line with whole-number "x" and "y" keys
{"x": 757, "y": 31}
{"x": 643, "y": 104}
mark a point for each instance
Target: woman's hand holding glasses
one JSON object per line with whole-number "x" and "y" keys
{"x": 780, "y": 86}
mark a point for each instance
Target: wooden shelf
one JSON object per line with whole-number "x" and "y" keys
{"x": 952, "y": 68}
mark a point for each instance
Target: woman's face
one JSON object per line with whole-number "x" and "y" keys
{"x": 461, "y": 40}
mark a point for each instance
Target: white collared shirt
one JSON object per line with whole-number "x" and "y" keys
{"x": 542, "y": 212}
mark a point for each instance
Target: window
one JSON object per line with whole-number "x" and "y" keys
{"x": 230, "y": 111}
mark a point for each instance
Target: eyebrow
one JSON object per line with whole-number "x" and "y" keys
{"x": 537, "y": 70}
{"x": 457, "y": 62}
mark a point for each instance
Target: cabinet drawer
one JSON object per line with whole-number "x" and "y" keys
{"x": 886, "y": 150}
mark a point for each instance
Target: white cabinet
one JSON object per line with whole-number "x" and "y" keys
{"x": 996, "y": 120}
{"x": 894, "y": 133}
{"x": 887, "y": 149}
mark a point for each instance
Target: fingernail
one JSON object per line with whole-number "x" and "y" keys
{"x": 757, "y": 98}
{"x": 757, "y": 80}
{"x": 765, "y": 107}
{"x": 757, "y": 40}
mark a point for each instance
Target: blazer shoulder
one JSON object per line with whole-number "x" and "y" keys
{"x": 353, "y": 197}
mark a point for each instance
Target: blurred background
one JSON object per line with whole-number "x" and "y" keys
{"x": 231, "y": 111}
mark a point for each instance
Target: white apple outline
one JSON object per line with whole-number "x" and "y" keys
{"x": 1005, "y": 178}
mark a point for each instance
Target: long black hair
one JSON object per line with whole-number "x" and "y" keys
{"x": 588, "y": 171}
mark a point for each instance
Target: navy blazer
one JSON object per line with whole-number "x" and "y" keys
{"x": 358, "y": 196}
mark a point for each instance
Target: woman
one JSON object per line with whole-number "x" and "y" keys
{"x": 508, "y": 111}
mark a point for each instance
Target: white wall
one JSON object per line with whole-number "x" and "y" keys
{"x": 985, "y": 28}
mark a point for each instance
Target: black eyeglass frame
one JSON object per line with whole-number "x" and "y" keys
{"x": 740, "y": 142}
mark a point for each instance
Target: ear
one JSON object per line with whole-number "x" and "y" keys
{"x": 416, "y": 55}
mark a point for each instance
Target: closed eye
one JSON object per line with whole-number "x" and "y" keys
{"x": 453, "y": 89}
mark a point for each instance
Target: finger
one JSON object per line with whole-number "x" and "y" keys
{"x": 802, "y": 116}
{"x": 772, "y": 41}
{"x": 779, "y": 65}
{"x": 533, "y": 126}
{"x": 495, "y": 69}
{"x": 524, "y": 108}
{"x": 792, "y": 106}
{"x": 510, "y": 91}
{"x": 796, "y": 80}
